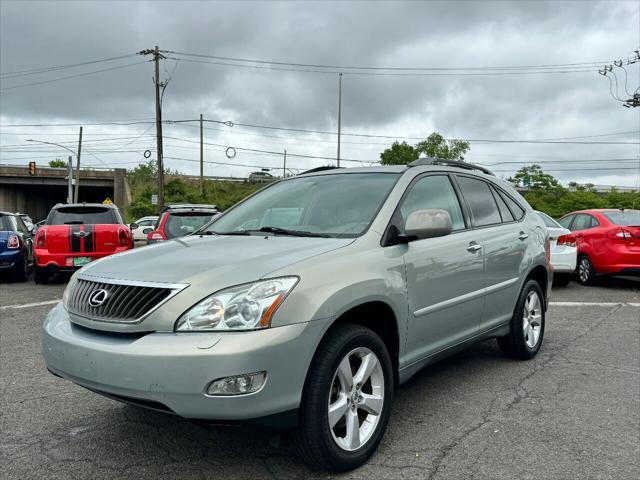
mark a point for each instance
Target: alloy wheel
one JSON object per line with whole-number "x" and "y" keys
{"x": 356, "y": 399}
{"x": 584, "y": 270}
{"x": 532, "y": 319}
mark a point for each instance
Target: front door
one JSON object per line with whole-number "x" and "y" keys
{"x": 444, "y": 275}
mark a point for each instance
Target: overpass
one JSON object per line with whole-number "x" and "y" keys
{"x": 35, "y": 195}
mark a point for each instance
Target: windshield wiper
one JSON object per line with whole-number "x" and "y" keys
{"x": 74, "y": 222}
{"x": 293, "y": 233}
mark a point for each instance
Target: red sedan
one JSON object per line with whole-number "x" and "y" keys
{"x": 608, "y": 241}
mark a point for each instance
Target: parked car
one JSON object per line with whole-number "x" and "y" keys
{"x": 608, "y": 242}
{"x": 315, "y": 322}
{"x": 564, "y": 253}
{"x": 16, "y": 247}
{"x": 138, "y": 227}
{"x": 76, "y": 234}
{"x": 261, "y": 177}
{"x": 180, "y": 220}
{"x": 27, "y": 220}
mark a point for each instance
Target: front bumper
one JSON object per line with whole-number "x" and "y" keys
{"x": 171, "y": 371}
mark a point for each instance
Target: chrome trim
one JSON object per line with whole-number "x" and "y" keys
{"x": 464, "y": 298}
{"x": 174, "y": 287}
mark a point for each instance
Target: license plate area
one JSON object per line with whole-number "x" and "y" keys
{"x": 80, "y": 261}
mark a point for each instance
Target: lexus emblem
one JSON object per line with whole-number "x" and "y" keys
{"x": 98, "y": 297}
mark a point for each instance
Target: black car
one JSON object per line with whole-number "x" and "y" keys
{"x": 16, "y": 247}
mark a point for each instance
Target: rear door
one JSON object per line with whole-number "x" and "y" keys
{"x": 504, "y": 239}
{"x": 444, "y": 275}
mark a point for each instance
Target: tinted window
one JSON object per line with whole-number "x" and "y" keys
{"x": 514, "y": 206}
{"x": 566, "y": 221}
{"x": 480, "y": 200}
{"x": 548, "y": 221}
{"x": 21, "y": 226}
{"x": 181, "y": 224}
{"x": 505, "y": 213}
{"x": 8, "y": 223}
{"x": 433, "y": 191}
{"x": 626, "y": 218}
{"x": 82, "y": 215}
{"x": 582, "y": 222}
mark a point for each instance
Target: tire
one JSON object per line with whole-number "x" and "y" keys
{"x": 527, "y": 328}
{"x": 21, "y": 272}
{"x": 324, "y": 446}
{"x": 41, "y": 275}
{"x": 561, "y": 279}
{"x": 586, "y": 271}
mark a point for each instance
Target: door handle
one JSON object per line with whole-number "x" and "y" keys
{"x": 474, "y": 247}
{"x": 523, "y": 236}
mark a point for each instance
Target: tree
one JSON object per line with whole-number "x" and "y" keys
{"x": 399, "y": 154}
{"x": 57, "y": 163}
{"x": 437, "y": 146}
{"x": 534, "y": 178}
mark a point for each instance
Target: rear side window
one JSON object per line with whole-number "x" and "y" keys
{"x": 566, "y": 221}
{"x": 480, "y": 199}
{"x": 433, "y": 191}
{"x": 505, "y": 213}
{"x": 626, "y": 218}
{"x": 583, "y": 222}
{"x": 514, "y": 206}
{"x": 8, "y": 223}
{"x": 82, "y": 215}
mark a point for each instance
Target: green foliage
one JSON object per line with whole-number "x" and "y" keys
{"x": 435, "y": 145}
{"x": 545, "y": 193}
{"x": 57, "y": 163}
{"x": 143, "y": 183}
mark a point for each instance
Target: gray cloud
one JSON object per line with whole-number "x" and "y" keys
{"x": 34, "y": 34}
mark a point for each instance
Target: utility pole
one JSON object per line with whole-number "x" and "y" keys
{"x": 159, "y": 85}
{"x": 284, "y": 165}
{"x": 339, "y": 114}
{"x": 75, "y": 195}
{"x": 70, "y": 182}
{"x": 201, "y": 157}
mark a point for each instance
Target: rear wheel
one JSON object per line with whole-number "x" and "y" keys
{"x": 41, "y": 275}
{"x": 21, "y": 272}
{"x": 527, "y": 324}
{"x": 346, "y": 400}
{"x": 586, "y": 270}
{"x": 561, "y": 279}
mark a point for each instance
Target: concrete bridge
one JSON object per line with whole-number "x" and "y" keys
{"x": 35, "y": 195}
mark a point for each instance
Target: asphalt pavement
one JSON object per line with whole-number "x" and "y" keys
{"x": 572, "y": 412}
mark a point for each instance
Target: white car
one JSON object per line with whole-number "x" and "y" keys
{"x": 563, "y": 251}
{"x": 143, "y": 224}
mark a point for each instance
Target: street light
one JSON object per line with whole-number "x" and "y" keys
{"x": 69, "y": 167}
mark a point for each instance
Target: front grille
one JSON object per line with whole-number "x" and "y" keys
{"x": 124, "y": 302}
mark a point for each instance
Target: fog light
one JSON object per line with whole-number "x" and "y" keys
{"x": 237, "y": 384}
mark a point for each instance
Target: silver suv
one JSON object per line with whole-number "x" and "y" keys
{"x": 311, "y": 301}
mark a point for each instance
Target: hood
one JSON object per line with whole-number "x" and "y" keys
{"x": 214, "y": 262}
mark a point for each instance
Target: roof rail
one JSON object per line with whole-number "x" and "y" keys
{"x": 451, "y": 163}
{"x": 319, "y": 169}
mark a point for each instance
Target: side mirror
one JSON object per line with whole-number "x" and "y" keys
{"x": 133, "y": 226}
{"x": 428, "y": 223}
{"x": 147, "y": 230}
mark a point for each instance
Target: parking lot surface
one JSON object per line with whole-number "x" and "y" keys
{"x": 572, "y": 412}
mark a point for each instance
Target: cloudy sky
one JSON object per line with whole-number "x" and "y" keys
{"x": 428, "y": 66}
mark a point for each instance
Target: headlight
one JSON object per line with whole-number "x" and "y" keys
{"x": 245, "y": 307}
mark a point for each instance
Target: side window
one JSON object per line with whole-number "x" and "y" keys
{"x": 483, "y": 206}
{"x": 434, "y": 191}
{"x": 566, "y": 221}
{"x": 582, "y": 222}
{"x": 514, "y": 206}
{"x": 594, "y": 222}
{"x": 505, "y": 213}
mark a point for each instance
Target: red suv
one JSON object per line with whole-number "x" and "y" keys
{"x": 180, "y": 220}
{"x": 608, "y": 242}
{"x": 76, "y": 234}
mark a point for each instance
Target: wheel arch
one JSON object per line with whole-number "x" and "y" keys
{"x": 540, "y": 274}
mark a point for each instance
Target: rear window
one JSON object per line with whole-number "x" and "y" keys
{"x": 548, "y": 221}
{"x": 82, "y": 215}
{"x": 626, "y": 218}
{"x": 8, "y": 223}
{"x": 180, "y": 224}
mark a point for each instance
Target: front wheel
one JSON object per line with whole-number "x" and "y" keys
{"x": 346, "y": 400}
{"x": 527, "y": 324}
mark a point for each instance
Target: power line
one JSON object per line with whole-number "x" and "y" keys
{"x": 34, "y": 71}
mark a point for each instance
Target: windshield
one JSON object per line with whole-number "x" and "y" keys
{"x": 82, "y": 215}
{"x": 337, "y": 205}
{"x": 181, "y": 224}
{"x": 626, "y": 218}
